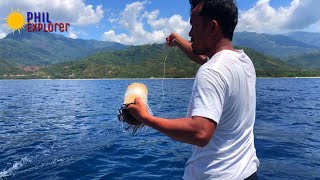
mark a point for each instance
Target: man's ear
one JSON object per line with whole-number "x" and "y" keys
{"x": 214, "y": 26}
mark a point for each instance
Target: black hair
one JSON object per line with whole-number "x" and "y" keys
{"x": 225, "y": 12}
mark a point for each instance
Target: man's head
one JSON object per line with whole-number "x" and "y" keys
{"x": 225, "y": 12}
{"x": 210, "y": 19}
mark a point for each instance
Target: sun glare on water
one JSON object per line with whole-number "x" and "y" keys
{"x": 15, "y": 20}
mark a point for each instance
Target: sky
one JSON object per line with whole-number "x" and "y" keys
{"x": 150, "y": 21}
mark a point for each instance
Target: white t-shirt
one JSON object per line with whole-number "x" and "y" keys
{"x": 224, "y": 91}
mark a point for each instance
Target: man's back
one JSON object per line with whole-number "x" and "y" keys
{"x": 224, "y": 91}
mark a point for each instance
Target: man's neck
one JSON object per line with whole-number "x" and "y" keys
{"x": 223, "y": 44}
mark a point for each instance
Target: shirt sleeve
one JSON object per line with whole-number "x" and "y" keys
{"x": 209, "y": 95}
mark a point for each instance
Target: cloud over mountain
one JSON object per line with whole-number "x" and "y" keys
{"x": 299, "y": 15}
{"x": 145, "y": 27}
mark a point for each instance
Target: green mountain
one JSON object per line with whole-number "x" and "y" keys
{"x": 76, "y": 58}
{"x": 274, "y": 45}
{"x": 149, "y": 60}
{"x": 40, "y": 48}
{"x": 310, "y": 60}
{"x": 136, "y": 61}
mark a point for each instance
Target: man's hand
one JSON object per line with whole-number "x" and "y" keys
{"x": 139, "y": 110}
{"x": 171, "y": 40}
{"x": 175, "y": 40}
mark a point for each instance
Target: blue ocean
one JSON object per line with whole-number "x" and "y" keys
{"x": 68, "y": 129}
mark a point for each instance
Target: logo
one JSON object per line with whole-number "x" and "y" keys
{"x": 15, "y": 20}
{"x": 36, "y": 22}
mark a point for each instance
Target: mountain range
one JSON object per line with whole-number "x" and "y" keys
{"x": 156, "y": 60}
{"x": 39, "y": 49}
{"x": 282, "y": 46}
{"x": 306, "y": 37}
{"x": 77, "y": 58}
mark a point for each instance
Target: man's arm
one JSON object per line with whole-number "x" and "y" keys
{"x": 196, "y": 130}
{"x": 175, "y": 40}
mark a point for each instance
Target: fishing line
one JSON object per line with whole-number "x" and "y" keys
{"x": 167, "y": 52}
{"x": 164, "y": 76}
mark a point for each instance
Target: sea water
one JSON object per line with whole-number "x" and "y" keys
{"x": 68, "y": 129}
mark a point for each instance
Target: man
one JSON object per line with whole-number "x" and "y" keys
{"x": 221, "y": 112}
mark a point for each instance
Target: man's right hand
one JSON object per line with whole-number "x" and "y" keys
{"x": 171, "y": 40}
{"x": 175, "y": 40}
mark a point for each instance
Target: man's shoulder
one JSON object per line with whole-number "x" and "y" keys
{"x": 219, "y": 62}
{"x": 228, "y": 64}
{"x": 227, "y": 55}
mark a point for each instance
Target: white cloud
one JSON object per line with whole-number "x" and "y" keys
{"x": 299, "y": 15}
{"x": 113, "y": 20}
{"x": 76, "y": 33}
{"x": 120, "y": 38}
{"x": 2, "y": 35}
{"x": 134, "y": 19}
{"x": 2, "y": 31}
{"x": 90, "y": 16}
{"x": 314, "y": 27}
{"x": 306, "y": 14}
{"x": 72, "y": 35}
